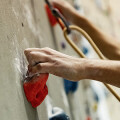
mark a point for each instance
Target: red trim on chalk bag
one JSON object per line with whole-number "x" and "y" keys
{"x": 51, "y": 18}
{"x": 36, "y": 89}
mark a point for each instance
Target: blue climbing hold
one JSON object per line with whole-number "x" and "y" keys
{"x": 70, "y": 86}
{"x": 85, "y": 50}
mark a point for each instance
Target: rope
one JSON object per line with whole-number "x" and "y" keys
{"x": 80, "y": 53}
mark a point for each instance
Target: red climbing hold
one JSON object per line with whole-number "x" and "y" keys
{"x": 88, "y": 118}
{"x": 36, "y": 89}
{"x": 51, "y": 18}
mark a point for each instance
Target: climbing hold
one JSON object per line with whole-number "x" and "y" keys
{"x": 51, "y": 18}
{"x": 36, "y": 89}
{"x": 63, "y": 45}
{"x": 77, "y": 7}
{"x": 88, "y": 118}
{"x": 70, "y": 86}
{"x": 58, "y": 114}
{"x": 95, "y": 107}
{"x": 96, "y": 97}
{"x": 85, "y": 50}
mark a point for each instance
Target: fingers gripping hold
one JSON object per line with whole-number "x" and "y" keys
{"x": 35, "y": 57}
{"x": 40, "y": 68}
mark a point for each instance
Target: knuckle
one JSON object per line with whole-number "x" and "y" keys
{"x": 39, "y": 67}
{"x": 27, "y": 50}
{"x": 47, "y": 50}
{"x": 32, "y": 54}
{"x": 47, "y": 58}
{"x": 30, "y": 57}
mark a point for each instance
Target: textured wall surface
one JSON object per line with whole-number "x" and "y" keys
{"x": 24, "y": 24}
{"x": 21, "y": 26}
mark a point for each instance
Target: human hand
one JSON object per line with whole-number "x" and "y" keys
{"x": 56, "y": 63}
{"x": 66, "y": 9}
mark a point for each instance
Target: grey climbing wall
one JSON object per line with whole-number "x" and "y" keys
{"x": 24, "y": 24}
{"x": 21, "y": 26}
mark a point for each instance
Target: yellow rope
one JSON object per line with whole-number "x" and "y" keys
{"x": 80, "y": 53}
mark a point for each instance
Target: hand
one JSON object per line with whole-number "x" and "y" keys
{"x": 67, "y": 10}
{"x": 56, "y": 63}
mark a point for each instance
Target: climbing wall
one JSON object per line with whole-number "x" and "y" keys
{"x": 93, "y": 100}
{"x": 24, "y": 24}
{"x": 20, "y": 28}
{"x": 105, "y": 15}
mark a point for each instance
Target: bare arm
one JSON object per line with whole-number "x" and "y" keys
{"x": 106, "y": 71}
{"x": 109, "y": 46}
{"x": 71, "y": 68}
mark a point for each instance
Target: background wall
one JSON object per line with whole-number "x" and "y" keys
{"x": 24, "y": 24}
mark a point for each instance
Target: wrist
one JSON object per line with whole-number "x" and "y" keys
{"x": 94, "y": 69}
{"x": 87, "y": 69}
{"x": 82, "y": 69}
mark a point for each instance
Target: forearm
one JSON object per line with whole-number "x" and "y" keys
{"x": 108, "y": 46}
{"x": 106, "y": 71}
{"x": 71, "y": 68}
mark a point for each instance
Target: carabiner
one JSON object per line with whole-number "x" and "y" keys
{"x": 58, "y": 16}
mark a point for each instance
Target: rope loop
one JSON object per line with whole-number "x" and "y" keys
{"x": 81, "y": 54}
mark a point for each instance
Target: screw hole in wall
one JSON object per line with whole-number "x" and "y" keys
{"x": 22, "y": 25}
